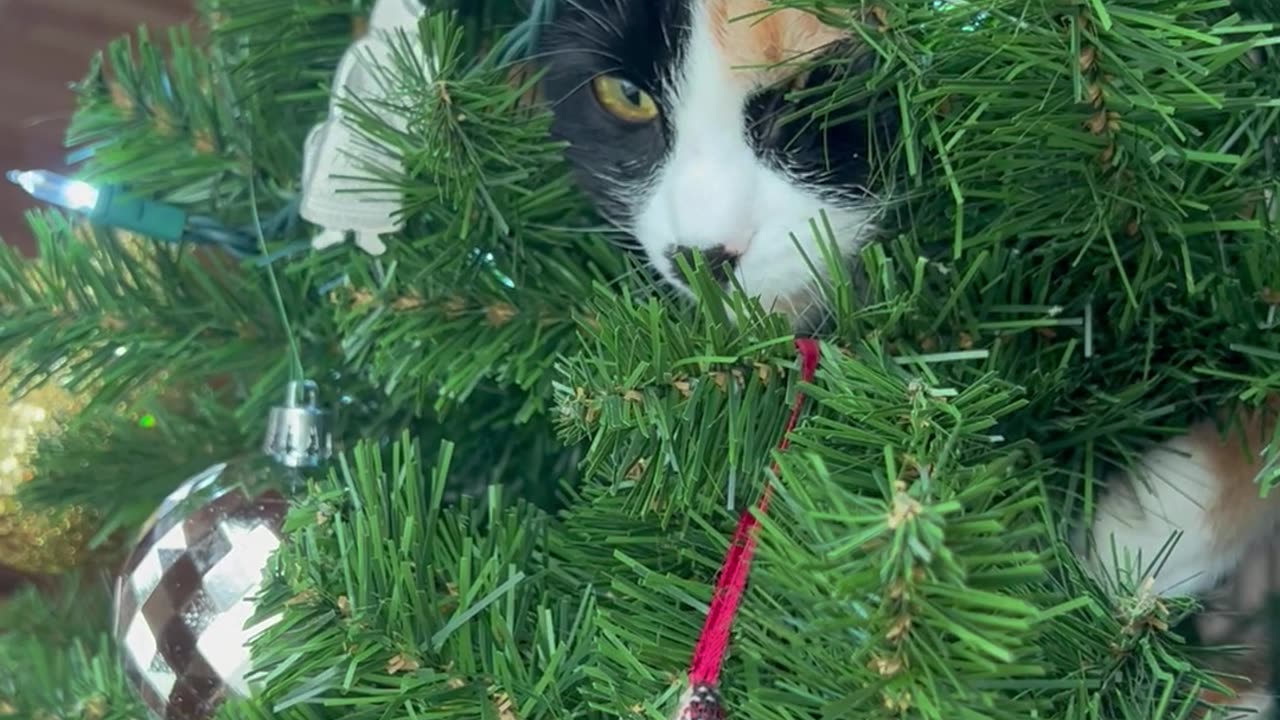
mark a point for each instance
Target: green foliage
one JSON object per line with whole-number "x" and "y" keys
{"x": 481, "y": 292}
{"x": 544, "y": 455}
{"x": 878, "y": 523}
{"x": 115, "y": 314}
{"x": 153, "y": 120}
{"x": 58, "y": 662}
{"x": 446, "y": 611}
{"x": 154, "y": 444}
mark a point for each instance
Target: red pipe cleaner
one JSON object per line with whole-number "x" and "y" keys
{"x": 702, "y": 700}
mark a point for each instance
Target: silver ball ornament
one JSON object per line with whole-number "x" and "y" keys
{"x": 185, "y": 596}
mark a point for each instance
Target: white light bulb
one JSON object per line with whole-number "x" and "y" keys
{"x": 55, "y": 189}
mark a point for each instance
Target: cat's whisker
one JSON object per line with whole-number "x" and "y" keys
{"x": 586, "y": 82}
{"x": 597, "y": 18}
{"x": 616, "y": 226}
{"x": 589, "y": 51}
{"x": 801, "y": 312}
{"x": 712, "y": 158}
{"x": 629, "y": 276}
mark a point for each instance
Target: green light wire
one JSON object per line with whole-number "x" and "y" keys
{"x": 296, "y": 371}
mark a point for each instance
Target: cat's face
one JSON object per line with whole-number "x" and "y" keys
{"x": 674, "y": 112}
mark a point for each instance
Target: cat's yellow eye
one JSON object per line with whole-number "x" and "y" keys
{"x": 624, "y": 100}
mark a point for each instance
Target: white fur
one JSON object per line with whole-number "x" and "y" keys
{"x": 1172, "y": 495}
{"x": 1173, "y": 492}
{"x": 713, "y": 190}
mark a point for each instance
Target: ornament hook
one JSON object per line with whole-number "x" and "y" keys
{"x": 298, "y": 433}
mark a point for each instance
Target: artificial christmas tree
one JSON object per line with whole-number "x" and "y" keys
{"x": 541, "y": 456}
{"x": 45, "y": 542}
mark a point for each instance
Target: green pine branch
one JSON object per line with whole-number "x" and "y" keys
{"x": 112, "y": 314}
{"x": 448, "y": 610}
{"x": 151, "y": 116}
{"x": 60, "y": 661}
{"x": 140, "y": 452}
{"x": 481, "y": 289}
{"x": 1081, "y": 258}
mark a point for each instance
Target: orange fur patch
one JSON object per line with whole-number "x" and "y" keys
{"x": 1233, "y": 453}
{"x": 752, "y": 38}
{"x": 1235, "y": 457}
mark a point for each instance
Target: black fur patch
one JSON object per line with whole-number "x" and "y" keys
{"x": 645, "y": 41}
{"x": 827, "y": 151}
{"x": 641, "y": 40}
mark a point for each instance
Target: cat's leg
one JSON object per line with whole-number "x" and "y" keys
{"x": 1201, "y": 486}
{"x": 1249, "y": 698}
{"x": 1200, "y": 491}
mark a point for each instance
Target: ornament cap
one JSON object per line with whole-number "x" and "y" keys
{"x": 298, "y": 433}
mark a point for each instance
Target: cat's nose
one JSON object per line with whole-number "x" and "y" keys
{"x": 720, "y": 260}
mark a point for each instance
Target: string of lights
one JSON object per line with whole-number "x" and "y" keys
{"x": 110, "y": 206}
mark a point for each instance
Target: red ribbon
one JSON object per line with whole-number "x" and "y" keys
{"x": 713, "y": 643}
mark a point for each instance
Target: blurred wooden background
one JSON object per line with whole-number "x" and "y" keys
{"x": 44, "y": 46}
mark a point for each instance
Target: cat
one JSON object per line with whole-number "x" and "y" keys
{"x": 672, "y": 113}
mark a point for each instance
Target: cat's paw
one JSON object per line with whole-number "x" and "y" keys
{"x": 1249, "y": 695}
{"x": 1157, "y": 525}
{"x": 1250, "y": 705}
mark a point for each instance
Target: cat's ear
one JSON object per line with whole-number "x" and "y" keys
{"x": 526, "y": 77}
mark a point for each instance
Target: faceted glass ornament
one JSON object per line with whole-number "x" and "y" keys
{"x": 186, "y": 594}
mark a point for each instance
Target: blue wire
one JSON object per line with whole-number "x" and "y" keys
{"x": 522, "y": 42}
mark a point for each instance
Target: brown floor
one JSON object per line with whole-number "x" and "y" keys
{"x": 44, "y": 45}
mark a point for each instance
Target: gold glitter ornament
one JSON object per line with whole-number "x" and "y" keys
{"x": 44, "y": 541}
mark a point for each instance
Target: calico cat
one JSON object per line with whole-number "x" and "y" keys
{"x": 673, "y": 114}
